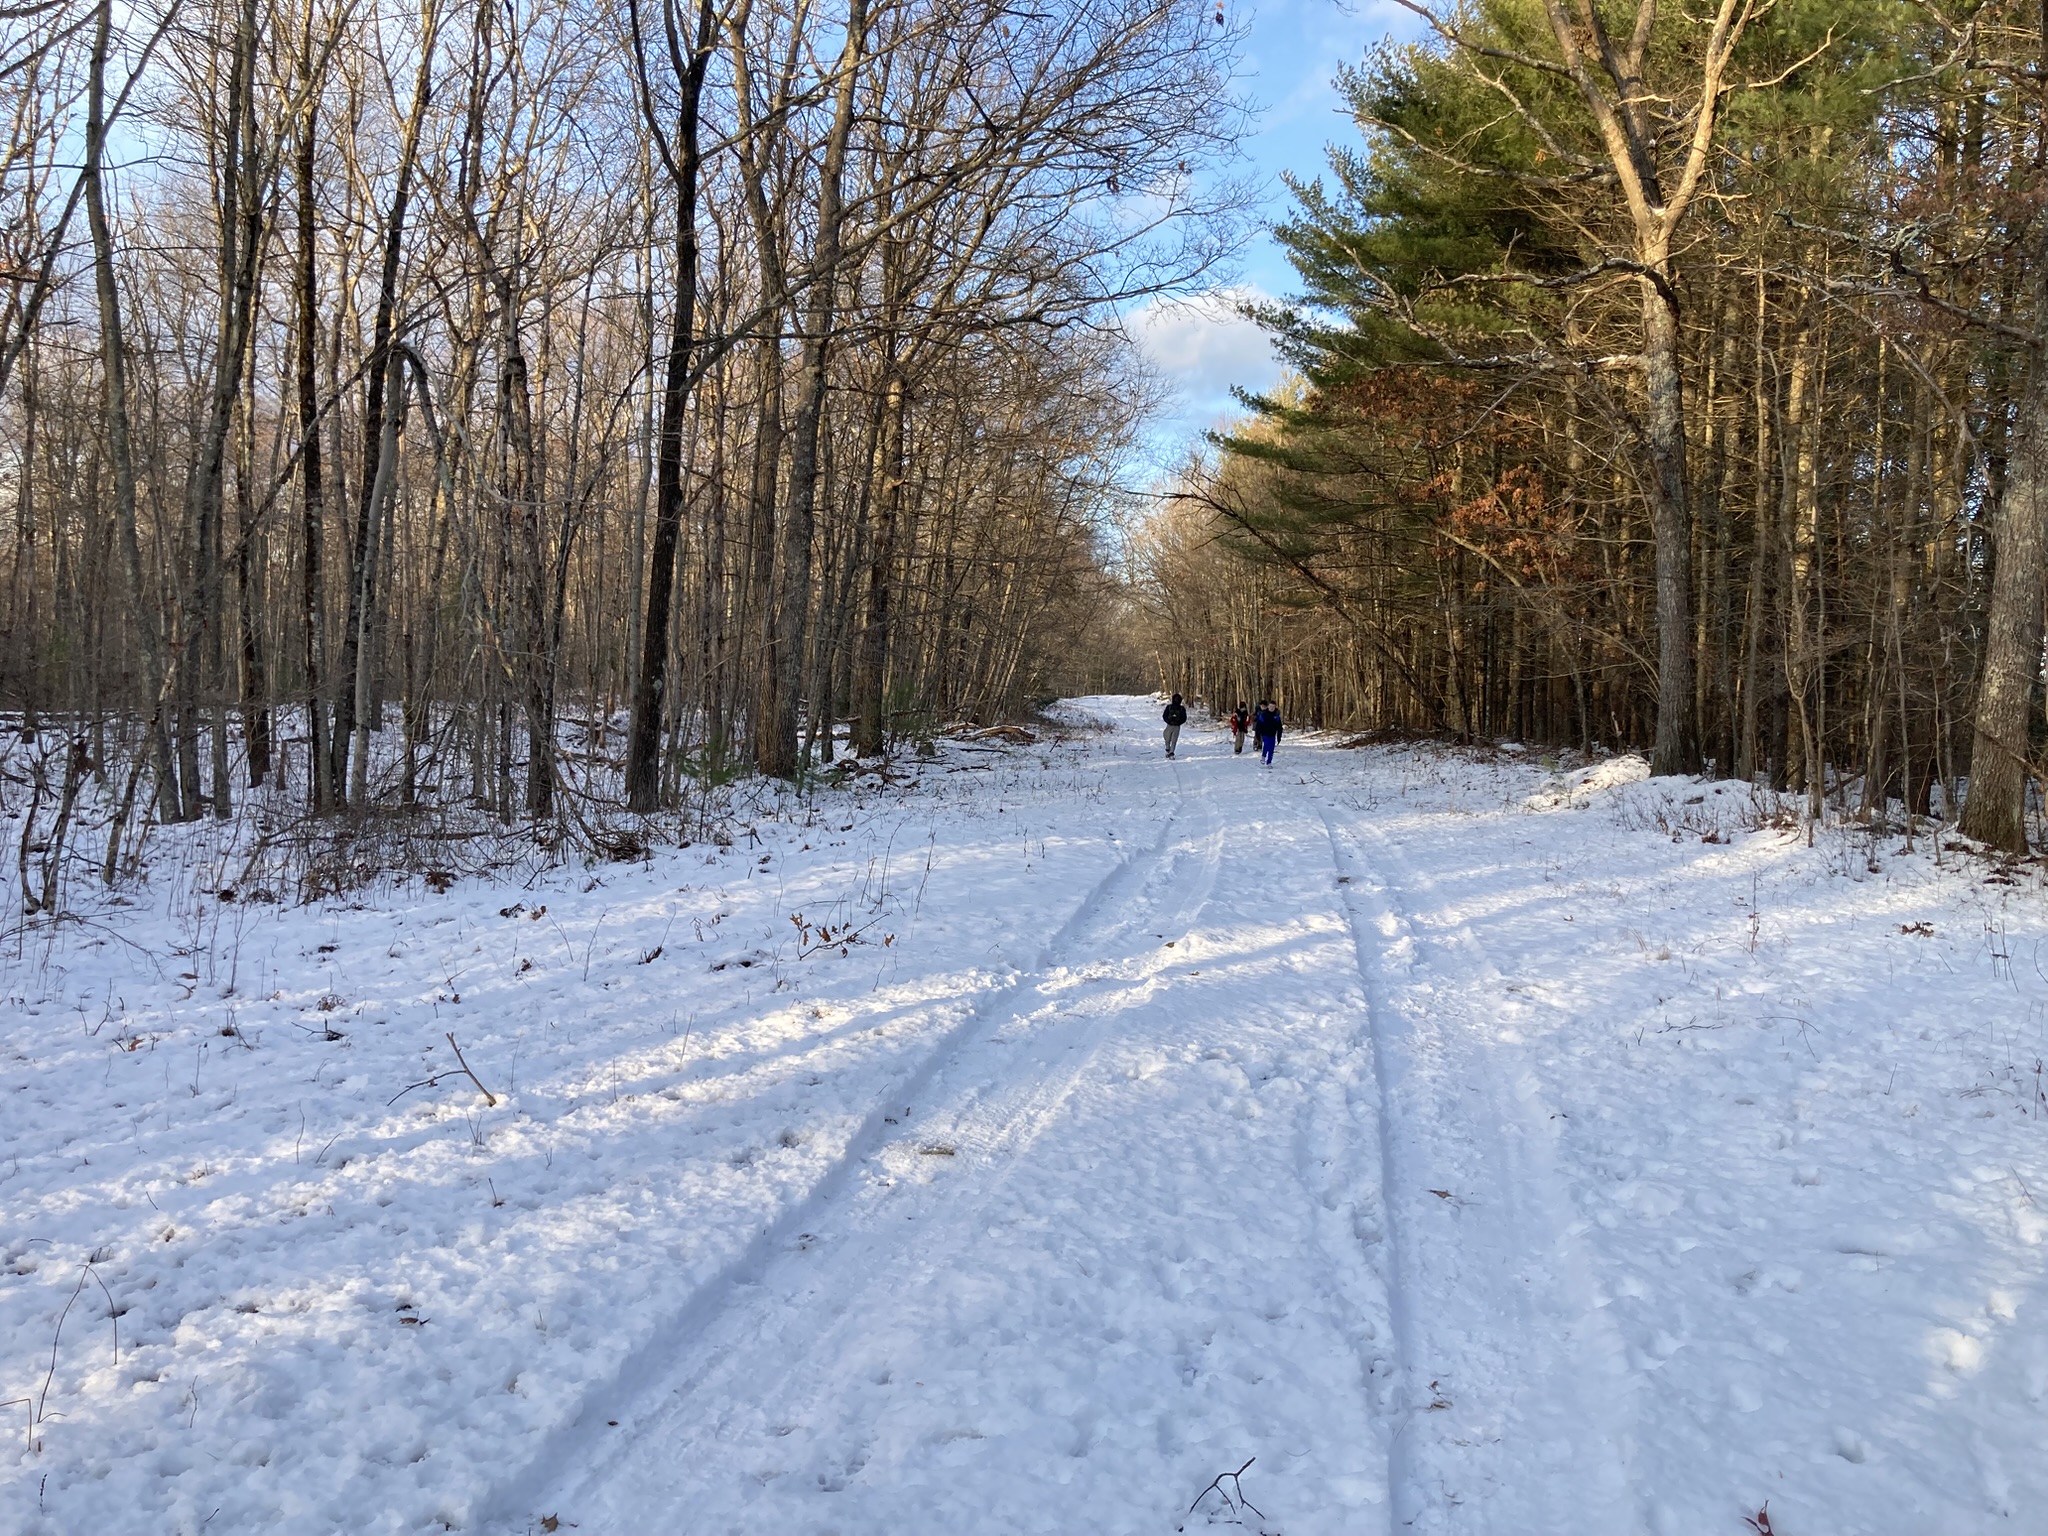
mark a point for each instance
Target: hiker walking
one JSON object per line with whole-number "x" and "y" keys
{"x": 1175, "y": 716}
{"x": 1266, "y": 726}
{"x": 1240, "y": 722}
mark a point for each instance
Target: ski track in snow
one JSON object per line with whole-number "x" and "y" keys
{"x": 989, "y": 1298}
{"x": 653, "y": 1364}
{"x": 1482, "y": 1148}
{"x": 1521, "y": 1364}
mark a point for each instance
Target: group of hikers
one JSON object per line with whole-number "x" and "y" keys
{"x": 1262, "y": 724}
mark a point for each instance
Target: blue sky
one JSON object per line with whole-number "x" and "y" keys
{"x": 1292, "y": 52}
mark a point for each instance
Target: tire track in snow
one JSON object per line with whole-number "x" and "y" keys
{"x": 650, "y": 1369}
{"x": 1531, "y": 1375}
{"x": 1364, "y": 903}
{"x": 1005, "y": 1130}
{"x": 1061, "y": 1331}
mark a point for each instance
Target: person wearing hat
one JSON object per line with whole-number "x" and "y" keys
{"x": 1175, "y": 716}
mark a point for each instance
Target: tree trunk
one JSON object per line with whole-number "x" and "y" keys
{"x": 1677, "y": 747}
{"x": 360, "y": 654}
{"x": 1994, "y": 811}
{"x": 379, "y": 404}
{"x": 783, "y": 663}
{"x": 242, "y": 236}
{"x": 312, "y": 586}
{"x": 650, "y": 688}
{"x": 872, "y": 664}
{"x": 255, "y": 666}
{"x": 1801, "y": 545}
{"x": 114, "y": 361}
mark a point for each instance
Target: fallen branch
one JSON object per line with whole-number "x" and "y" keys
{"x": 38, "y": 1413}
{"x": 1230, "y": 1504}
{"x": 490, "y": 1098}
{"x": 461, "y": 1069}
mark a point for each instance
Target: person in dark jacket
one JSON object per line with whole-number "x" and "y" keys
{"x": 1175, "y": 716}
{"x": 1240, "y": 722}
{"x": 1266, "y": 726}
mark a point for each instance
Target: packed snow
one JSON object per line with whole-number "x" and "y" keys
{"x": 1057, "y": 1139}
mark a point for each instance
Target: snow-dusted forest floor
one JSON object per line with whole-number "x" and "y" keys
{"x": 1472, "y": 1145}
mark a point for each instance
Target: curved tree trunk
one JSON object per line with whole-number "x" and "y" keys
{"x": 380, "y": 403}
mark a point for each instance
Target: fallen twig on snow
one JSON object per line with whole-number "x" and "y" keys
{"x": 461, "y": 1069}
{"x": 1233, "y": 1497}
{"x": 38, "y": 1413}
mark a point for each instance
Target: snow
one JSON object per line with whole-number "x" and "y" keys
{"x": 1584, "y": 783}
{"x": 1471, "y": 1143}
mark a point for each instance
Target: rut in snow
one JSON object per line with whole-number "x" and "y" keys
{"x": 1130, "y": 1230}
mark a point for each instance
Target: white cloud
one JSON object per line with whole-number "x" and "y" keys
{"x": 1203, "y": 346}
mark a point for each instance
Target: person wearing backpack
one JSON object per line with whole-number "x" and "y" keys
{"x": 1240, "y": 722}
{"x": 1266, "y": 726}
{"x": 1175, "y": 716}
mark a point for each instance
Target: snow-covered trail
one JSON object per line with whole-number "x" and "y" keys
{"x": 1127, "y": 1235}
{"x": 1527, "y": 1412}
{"x": 1487, "y": 1147}
{"x": 1193, "y": 1190}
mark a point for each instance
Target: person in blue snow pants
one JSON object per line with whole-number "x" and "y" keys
{"x": 1266, "y": 726}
